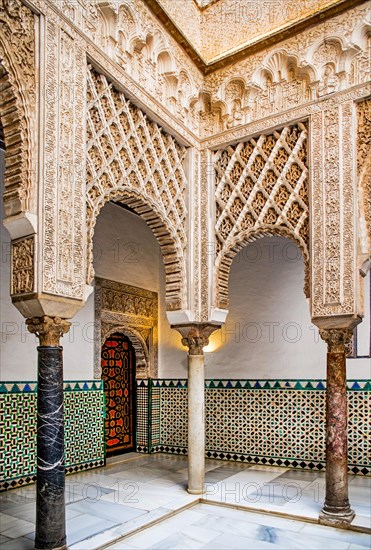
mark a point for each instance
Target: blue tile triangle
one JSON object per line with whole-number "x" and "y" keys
{"x": 320, "y": 386}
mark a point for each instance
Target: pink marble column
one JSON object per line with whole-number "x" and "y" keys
{"x": 336, "y": 510}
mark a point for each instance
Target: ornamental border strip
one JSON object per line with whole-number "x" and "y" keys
{"x": 6, "y": 485}
{"x": 257, "y": 384}
{"x": 260, "y": 460}
{"x": 68, "y": 385}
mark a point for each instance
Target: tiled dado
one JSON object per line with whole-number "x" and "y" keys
{"x": 83, "y": 431}
{"x": 273, "y": 422}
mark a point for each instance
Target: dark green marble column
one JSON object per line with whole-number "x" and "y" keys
{"x": 50, "y": 501}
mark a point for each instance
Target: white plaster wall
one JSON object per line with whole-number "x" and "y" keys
{"x": 268, "y": 333}
{"x": 18, "y": 347}
{"x": 18, "y": 354}
{"x": 125, "y": 250}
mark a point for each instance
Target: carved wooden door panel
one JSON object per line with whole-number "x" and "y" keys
{"x": 118, "y": 373}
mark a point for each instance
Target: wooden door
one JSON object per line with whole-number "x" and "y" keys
{"x": 118, "y": 373}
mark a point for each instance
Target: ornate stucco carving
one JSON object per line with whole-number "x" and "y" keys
{"x": 132, "y": 160}
{"x": 332, "y": 212}
{"x": 23, "y": 266}
{"x": 364, "y": 172}
{"x": 132, "y": 311}
{"x": 64, "y": 159}
{"x": 315, "y": 63}
{"x": 48, "y": 329}
{"x": 18, "y": 105}
{"x": 261, "y": 187}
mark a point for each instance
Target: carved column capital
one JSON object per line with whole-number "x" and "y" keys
{"x": 336, "y": 339}
{"x": 195, "y": 336}
{"x": 48, "y": 329}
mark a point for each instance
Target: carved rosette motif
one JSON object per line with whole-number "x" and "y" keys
{"x": 261, "y": 189}
{"x": 23, "y": 266}
{"x": 132, "y": 311}
{"x": 132, "y": 160}
{"x": 18, "y": 104}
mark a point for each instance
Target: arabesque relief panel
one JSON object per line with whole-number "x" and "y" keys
{"x": 132, "y": 311}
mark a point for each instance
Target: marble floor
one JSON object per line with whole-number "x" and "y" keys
{"x": 140, "y": 501}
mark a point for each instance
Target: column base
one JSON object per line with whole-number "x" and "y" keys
{"x": 195, "y": 491}
{"x": 64, "y": 547}
{"x": 341, "y": 518}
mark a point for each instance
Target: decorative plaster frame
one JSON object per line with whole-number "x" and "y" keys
{"x": 139, "y": 323}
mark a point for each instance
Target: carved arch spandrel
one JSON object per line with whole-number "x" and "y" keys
{"x": 261, "y": 188}
{"x": 18, "y": 105}
{"x": 134, "y": 161}
{"x": 244, "y": 238}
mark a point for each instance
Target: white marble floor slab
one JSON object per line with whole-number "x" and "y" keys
{"x": 208, "y": 526}
{"x": 114, "y": 505}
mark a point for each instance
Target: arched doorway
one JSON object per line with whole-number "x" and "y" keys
{"x": 118, "y": 374}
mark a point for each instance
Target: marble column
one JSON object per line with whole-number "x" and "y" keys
{"x": 336, "y": 510}
{"x": 196, "y": 337}
{"x": 50, "y": 502}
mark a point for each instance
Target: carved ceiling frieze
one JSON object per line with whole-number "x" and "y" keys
{"x": 316, "y": 63}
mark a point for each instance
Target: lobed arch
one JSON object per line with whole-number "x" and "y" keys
{"x": 242, "y": 239}
{"x": 165, "y": 234}
{"x": 17, "y": 108}
{"x": 132, "y": 160}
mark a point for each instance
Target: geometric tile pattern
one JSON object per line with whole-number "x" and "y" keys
{"x": 155, "y": 409}
{"x": 277, "y": 422}
{"x": 84, "y": 420}
{"x": 18, "y": 426}
{"x": 264, "y": 422}
{"x": 143, "y": 426}
{"x": 359, "y": 429}
{"x": 84, "y": 426}
{"x": 174, "y": 416}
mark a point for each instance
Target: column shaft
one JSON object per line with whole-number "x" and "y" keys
{"x": 50, "y": 501}
{"x": 196, "y": 424}
{"x": 336, "y": 510}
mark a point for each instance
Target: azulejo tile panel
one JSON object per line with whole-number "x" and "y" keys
{"x": 84, "y": 422}
{"x": 274, "y": 422}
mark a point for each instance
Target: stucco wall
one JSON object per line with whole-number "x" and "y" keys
{"x": 268, "y": 333}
